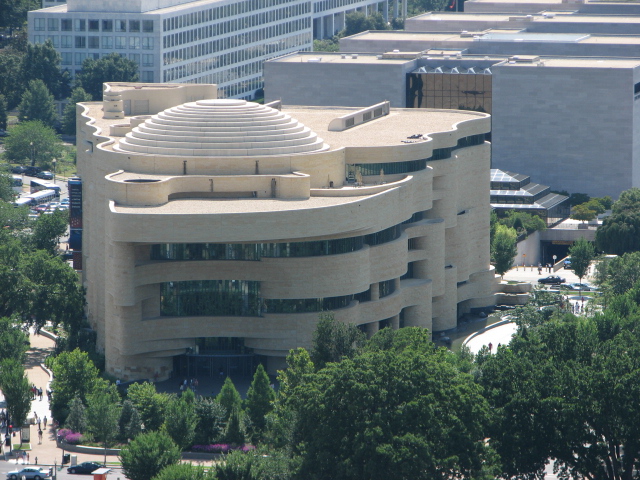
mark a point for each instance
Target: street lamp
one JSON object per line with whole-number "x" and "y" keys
{"x": 32, "y": 154}
{"x": 54, "y": 162}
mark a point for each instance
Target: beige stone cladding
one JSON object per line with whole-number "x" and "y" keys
{"x": 208, "y": 218}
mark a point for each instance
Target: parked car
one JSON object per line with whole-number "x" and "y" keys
{"x": 32, "y": 171}
{"x": 85, "y": 467}
{"x": 567, "y": 263}
{"x": 64, "y": 201}
{"x": 19, "y": 169}
{"x": 579, "y": 286}
{"x": 46, "y": 175}
{"x": 42, "y": 207}
{"x": 29, "y": 473}
{"x": 552, "y": 280}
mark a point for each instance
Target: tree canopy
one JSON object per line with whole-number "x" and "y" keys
{"x": 503, "y": 248}
{"x": 42, "y": 62}
{"x": 32, "y": 142}
{"x": 620, "y": 232}
{"x": 148, "y": 454}
{"x": 582, "y": 254}
{"x": 37, "y": 104}
{"x": 16, "y": 389}
{"x": 334, "y": 340}
{"x": 69, "y": 115}
{"x": 387, "y": 413}
{"x": 112, "y": 68}
{"x": 566, "y": 389}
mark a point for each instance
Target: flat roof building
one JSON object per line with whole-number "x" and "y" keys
{"x": 546, "y": 121}
{"x": 216, "y": 231}
{"x": 204, "y": 41}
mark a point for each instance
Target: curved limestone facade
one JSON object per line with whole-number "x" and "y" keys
{"x": 216, "y": 231}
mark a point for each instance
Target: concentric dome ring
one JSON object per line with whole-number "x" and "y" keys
{"x": 221, "y": 128}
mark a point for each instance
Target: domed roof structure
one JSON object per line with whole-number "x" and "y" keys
{"x": 221, "y": 128}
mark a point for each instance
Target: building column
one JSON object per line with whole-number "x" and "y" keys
{"x": 372, "y": 328}
{"x": 395, "y": 322}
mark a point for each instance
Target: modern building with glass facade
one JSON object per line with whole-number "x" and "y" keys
{"x": 215, "y": 231}
{"x": 206, "y": 41}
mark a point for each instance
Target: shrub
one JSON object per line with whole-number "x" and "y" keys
{"x": 221, "y": 448}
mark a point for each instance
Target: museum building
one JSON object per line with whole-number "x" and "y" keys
{"x": 216, "y": 231}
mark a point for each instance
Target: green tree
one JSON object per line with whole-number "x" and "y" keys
{"x": 147, "y": 455}
{"x": 566, "y": 390}
{"x": 16, "y": 389}
{"x": 149, "y": 403}
{"x": 77, "y": 418}
{"x": 134, "y": 427}
{"x": 235, "y": 432}
{"x": 583, "y": 212}
{"x": 334, "y": 340}
{"x": 327, "y": 45}
{"x": 211, "y": 419}
{"x": 54, "y": 293}
{"x": 74, "y": 374}
{"x": 229, "y": 397}
{"x": 3, "y": 113}
{"x": 503, "y": 249}
{"x": 256, "y": 465}
{"x": 578, "y": 198}
{"x": 402, "y": 409}
{"x": 42, "y": 62}
{"x": 32, "y": 142}
{"x": 260, "y": 398}
{"x": 619, "y": 233}
{"x": 37, "y": 104}
{"x": 606, "y": 202}
{"x": 184, "y": 471}
{"x": 13, "y": 340}
{"x": 180, "y": 422}
{"x": 112, "y": 68}
{"x": 103, "y": 414}
{"x": 523, "y": 222}
{"x": 125, "y": 418}
{"x": 10, "y": 61}
{"x": 582, "y": 254}
{"x": 620, "y": 274}
{"x": 6, "y": 188}
{"x": 48, "y": 229}
{"x": 69, "y": 115}
{"x": 629, "y": 200}
{"x": 13, "y": 13}
{"x": 357, "y": 22}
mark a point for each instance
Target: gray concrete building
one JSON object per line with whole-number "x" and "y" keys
{"x": 572, "y": 123}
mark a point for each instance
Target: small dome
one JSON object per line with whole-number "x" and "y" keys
{"x": 221, "y": 128}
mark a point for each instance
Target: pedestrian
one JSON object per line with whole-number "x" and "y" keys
{"x": 490, "y": 347}
{"x": 39, "y": 438}
{"x": 45, "y": 422}
{"x": 539, "y": 269}
{"x": 27, "y": 457}
{"x": 36, "y": 461}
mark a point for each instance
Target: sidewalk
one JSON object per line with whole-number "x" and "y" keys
{"x": 47, "y": 452}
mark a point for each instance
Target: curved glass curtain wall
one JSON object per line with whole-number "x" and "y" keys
{"x": 210, "y": 297}
{"x": 393, "y": 168}
{"x": 255, "y": 251}
{"x": 387, "y": 288}
{"x": 239, "y": 298}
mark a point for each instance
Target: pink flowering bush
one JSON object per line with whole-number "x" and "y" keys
{"x": 74, "y": 438}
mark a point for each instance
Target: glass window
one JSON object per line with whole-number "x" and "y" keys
{"x": 134, "y": 43}
{"x": 38, "y": 38}
{"x": 79, "y": 58}
{"x": 147, "y": 26}
{"x": 94, "y": 42}
{"x": 210, "y": 297}
{"x": 79, "y": 25}
{"x": 134, "y": 25}
{"x": 121, "y": 25}
{"x": 39, "y": 24}
{"x": 147, "y": 60}
{"x": 135, "y": 57}
{"x": 147, "y": 43}
{"x": 67, "y": 58}
{"x": 52, "y": 24}
{"x": 81, "y": 42}
{"x": 121, "y": 42}
{"x": 55, "y": 40}
{"x": 107, "y": 42}
{"x": 387, "y": 287}
{"x": 107, "y": 25}
{"x": 147, "y": 76}
{"x": 66, "y": 25}
{"x": 94, "y": 25}
{"x": 66, "y": 41}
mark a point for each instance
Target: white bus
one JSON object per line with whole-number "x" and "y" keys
{"x": 16, "y": 184}
{"x": 37, "y": 198}
{"x": 38, "y": 185}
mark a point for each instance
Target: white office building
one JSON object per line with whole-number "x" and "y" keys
{"x": 208, "y": 41}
